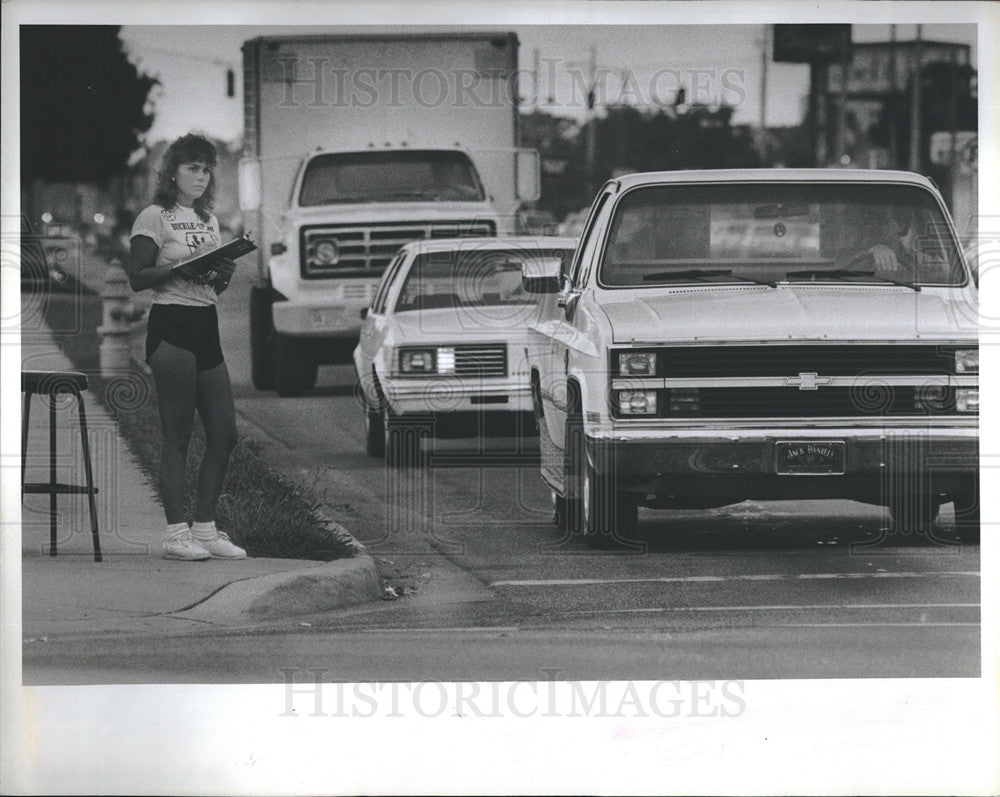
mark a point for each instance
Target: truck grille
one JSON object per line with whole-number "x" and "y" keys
{"x": 874, "y": 381}
{"x": 367, "y": 249}
{"x": 832, "y": 360}
{"x": 481, "y": 360}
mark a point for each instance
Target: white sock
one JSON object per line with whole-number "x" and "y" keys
{"x": 204, "y": 531}
{"x": 176, "y": 531}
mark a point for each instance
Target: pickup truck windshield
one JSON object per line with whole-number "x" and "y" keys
{"x": 394, "y": 176}
{"x": 774, "y": 233}
{"x": 470, "y": 279}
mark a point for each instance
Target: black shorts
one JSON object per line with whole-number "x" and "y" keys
{"x": 192, "y": 328}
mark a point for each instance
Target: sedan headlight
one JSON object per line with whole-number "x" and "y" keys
{"x": 637, "y": 402}
{"x": 637, "y": 364}
{"x": 967, "y": 399}
{"x": 967, "y": 361}
{"x": 417, "y": 361}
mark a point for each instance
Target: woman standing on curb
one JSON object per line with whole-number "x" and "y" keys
{"x": 182, "y": 343}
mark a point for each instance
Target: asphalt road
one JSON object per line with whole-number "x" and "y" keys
{"x": 491, "y": 592}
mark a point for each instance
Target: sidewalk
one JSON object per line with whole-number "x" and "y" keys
{"x": 133, "y": 590}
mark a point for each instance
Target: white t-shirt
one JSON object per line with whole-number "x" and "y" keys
{"x": 178, "y": 232}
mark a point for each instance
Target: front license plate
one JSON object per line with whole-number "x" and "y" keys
{"x": 810, "y": 458}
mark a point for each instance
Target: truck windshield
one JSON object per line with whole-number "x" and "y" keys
{"x": 780, "y": 232}
{"x": 396, "y": 176}
{"x": 473, "y": 278}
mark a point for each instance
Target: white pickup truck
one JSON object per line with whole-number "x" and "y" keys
{"x": 759, "y": 334}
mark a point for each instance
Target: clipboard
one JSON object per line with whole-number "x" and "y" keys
{"x": 202, "y": 264}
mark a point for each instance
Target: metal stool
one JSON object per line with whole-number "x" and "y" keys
{"x": 53, "y": 384}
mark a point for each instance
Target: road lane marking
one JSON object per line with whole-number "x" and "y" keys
{"x": 576, "y": 582}
{"x": 778, "y": 607}
{"x": 880, "y": 625}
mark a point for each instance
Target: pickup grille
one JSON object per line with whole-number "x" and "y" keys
{"x": 368, "y": 248}
{"x": 832, "y": 360}
{"x": 481, "y": 360}
{"x": 869, "y": 381}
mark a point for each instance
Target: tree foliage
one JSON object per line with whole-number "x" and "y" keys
{"x": 83, "y": 103}
{"x": 628, "y": 140}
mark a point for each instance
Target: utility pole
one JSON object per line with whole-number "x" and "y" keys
{"x": 764, "y": 55}
{"x": 534, "y": 80}
{"x": 591, "y": 154}
{"x": 840, "y": 150}
{"x": 892, "y": 100}
{"x": 915, "y": 109}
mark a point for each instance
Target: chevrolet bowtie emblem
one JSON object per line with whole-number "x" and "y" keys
{"x": 808, "y": 381}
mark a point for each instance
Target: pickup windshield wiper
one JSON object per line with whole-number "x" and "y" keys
{"x": 846, "y": 274}
{"x": 700, "y": 275}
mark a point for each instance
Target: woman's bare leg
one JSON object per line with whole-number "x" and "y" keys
{"x": 175, "y": 376}
{"x": 214, "y": 400}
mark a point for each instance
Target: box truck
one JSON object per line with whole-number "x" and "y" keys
{"x": 353, "y": 146}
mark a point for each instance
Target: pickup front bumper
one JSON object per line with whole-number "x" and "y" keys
{"x": 787, "y": 463}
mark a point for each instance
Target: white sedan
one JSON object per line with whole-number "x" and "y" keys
{"x": 442, "y": 347}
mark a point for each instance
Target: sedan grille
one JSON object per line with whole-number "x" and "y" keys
{"x": 481, "y": 360}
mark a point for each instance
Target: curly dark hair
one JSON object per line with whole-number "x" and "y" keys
{"x": 187, "y": 149}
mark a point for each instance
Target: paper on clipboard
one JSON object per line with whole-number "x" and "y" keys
{"x": 203, "y": 263}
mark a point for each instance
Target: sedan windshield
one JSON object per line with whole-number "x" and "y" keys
{"x": 396, "y": 176}
{"x": 769, "y": 233}
{"x": 483, "y": 278}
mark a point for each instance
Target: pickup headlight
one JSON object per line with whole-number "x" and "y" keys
{"x": 637, "y": 402}
{"x": 440, "y": 360}
{"x": 967, "y": 361}
{"x": 637, "y": 364}
{"x": 967, "y": 399}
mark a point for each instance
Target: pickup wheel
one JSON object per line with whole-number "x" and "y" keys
{"x": 967, "y": 514}
{"x": 594, "y": 507}
{"x": 375, "y": 432}
{"x": 294, "y": 371}
{"x": 261, "y": 338}
{"x": 914, "y": 512}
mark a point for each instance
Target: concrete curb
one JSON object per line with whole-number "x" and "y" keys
{"x": 333, "y": 585}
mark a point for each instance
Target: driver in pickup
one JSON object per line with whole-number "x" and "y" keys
{"x": 887, "y": 238}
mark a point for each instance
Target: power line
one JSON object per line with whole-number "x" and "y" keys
{"x": 189, "y": 56}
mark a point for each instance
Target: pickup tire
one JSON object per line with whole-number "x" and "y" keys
{"x": 375, "y": 432}
{"x": 594, "y": 507}
{"x": 294, "y": 370}
{"x": 967, "y": 515}
{"x": 914, "y": 512}
{"x": 261, "y": 338}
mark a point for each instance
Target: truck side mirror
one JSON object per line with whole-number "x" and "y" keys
{"x": 249, "y": 179}
{"x": 541, "y": 275}
{"x": 364, "y": 313}
{"x": 527, "y": 172}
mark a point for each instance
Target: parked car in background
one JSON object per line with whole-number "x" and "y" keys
{"x": 759, "y": 334}
{"x": 441, "y": 348}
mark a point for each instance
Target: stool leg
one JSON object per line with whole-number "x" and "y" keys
{"x": 90, "y": 478}
{"x": 24, "y": 434}
{"x": 52, "y": 474}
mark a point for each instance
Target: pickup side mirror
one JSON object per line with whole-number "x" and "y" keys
{"x": 541, "y": 275}
{"x": 364, "y": 313}
{"x": 528, "y": 175}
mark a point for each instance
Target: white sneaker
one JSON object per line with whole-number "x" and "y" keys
{"x": 222, "y": 548}
{"x": 185, "y": 549}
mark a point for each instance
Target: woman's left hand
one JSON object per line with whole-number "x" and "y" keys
{"x": 224, "y": 269}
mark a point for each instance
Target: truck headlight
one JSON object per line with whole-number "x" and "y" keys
{"x": 327, "y": 253}
{"x": 967, "y": 399}
{"x": 417, "y": 361}
{"x": 967, "y": 361}
{"x": 637, "y": 402}
{"x": 637, "y": 364}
